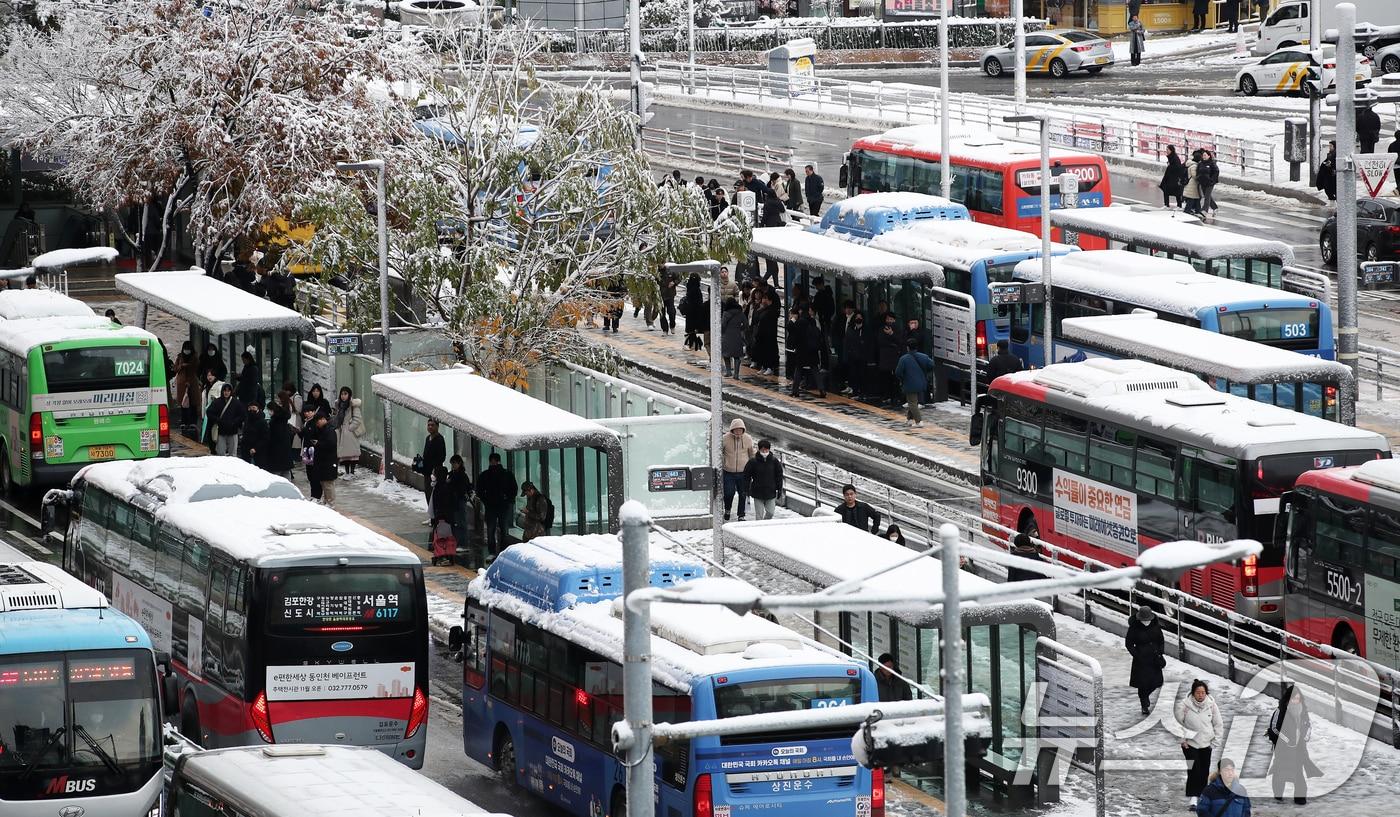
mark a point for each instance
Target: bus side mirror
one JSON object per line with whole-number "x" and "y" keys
{"x": 454, "y": 639}
{"x": 54, "y": 512}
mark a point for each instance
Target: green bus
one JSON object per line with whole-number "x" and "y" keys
{"x": 77, "y": 390}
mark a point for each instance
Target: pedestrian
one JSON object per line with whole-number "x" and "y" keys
{"x": 294, "y": 404}
{"x": 324, "y": 460}
{"x": 764, "y": 479}
{"x": 887, "y": 681}
{"x": 1394, "y": 150}
{"x": 1024, "y": 547}
{"x": 308, "y": 450}
{"x": 1209, "y": 173}
{"x": 249, "y": 379}
{"x": 824, "y": 302}
{"x": 738, "y": 448}
{"x": 912, "y": 372}
{"x": 894, "y": 534}
{"x": 441, "y": 512}
{"x": 774, "y": 213}
{"x": 815, "y": 190}
{"x": 889, "y": 347}
{"x": 434, "y": 454}
{"x": 617, "y": 296}
{"x": 731, "y": 336}
{"x": 857, "y": 513}
{"x": 497, "y": 489}
{"x": 316, "y": 400}
{"x": 1173, "y": 178}
{"x": 1327, "y": 172}
{"x": 538, "y": 515}
{"x": 186, "y": 396}
{"x": 718, "y": 202}
{"x": 1146, "y": 644}
{"x": 1137, "y": 41}
{"x": 806, "y": 340}
{"x": 1198, "y": 15}
{"x": 210, "y": 361}
{"x": 1200, "y": 718}
{"x": 793, "y": 199}
{"x": 227, "y": 415}
{"x": 765, "y": 336}
{"x": 1134, "y": 8}
{"x": 459, "y": 484}
{"x": 779, "y": 185}
{"x": 752, "y": 183}
{"x": 279, "y": 437}
{"x": 1192, "y": 190}
{"x": 668, "y": 286}
{"x": 1368, "y": 128}
{"x": 1290, "y": 729}
{"x": 1224, "y": 796}
{"x": 252, "y": 438}
{"x": 1232, "y": 16}
{"x": 349, "y": 428}
{"x": 696, "y": 311}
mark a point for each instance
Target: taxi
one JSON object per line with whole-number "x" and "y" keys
{"x": 1296, "y": 70}
{"x": 1057, "y": 53}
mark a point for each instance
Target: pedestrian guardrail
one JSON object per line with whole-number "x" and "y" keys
{"x": 712, "y": 151}
{"x": 1379, "y": 367}
{"x": 902, "y": 104}
{"x": 842, "y": 35}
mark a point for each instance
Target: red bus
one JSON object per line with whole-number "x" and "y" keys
{"x": 1341, "y": 531}
{"x": 998, "y": 181}
{"x": 1109, "y": 457}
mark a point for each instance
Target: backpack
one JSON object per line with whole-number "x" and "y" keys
{"x": 548, "y": 514}
{"x": 1274, "y": 725}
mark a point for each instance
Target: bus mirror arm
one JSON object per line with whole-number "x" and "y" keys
{"x": 454, "y": 639}
{"x": 48, "y": 512}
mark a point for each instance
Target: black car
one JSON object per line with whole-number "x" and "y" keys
{"x": 1377, "y": 232}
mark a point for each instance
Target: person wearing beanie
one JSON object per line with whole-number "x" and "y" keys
{"x": 1146, "y": 644}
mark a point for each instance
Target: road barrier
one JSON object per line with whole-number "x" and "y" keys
{"x": 711, "y": 151}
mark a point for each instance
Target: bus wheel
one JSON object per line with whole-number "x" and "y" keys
{"x": 189, "y": 719}
{"x": 1345, "y": 640}
{"x": 506, "y": 762}
{"x": 7, "y": 477}
{"x": 617, "y": 806}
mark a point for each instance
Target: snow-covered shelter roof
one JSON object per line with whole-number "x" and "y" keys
{"x": 1160, "y": 284}
{"x": 41, "y": 303}
{"x": 1167, "y": 232}
{"x": 273, "y": 531}
{"x": 1181, "y": 407}
{"x": 221, "y": 308}
{"x": 180, "y": 480}
{"x": 20, "y": 335}
{"x": 73, "y": 257}
{"x": 1144, "y": 336}
{"x": 825, "y": 551}
{"x": 826, "y": 255}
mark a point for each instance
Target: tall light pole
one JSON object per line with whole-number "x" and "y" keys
{"x": 1346, "y": 186}
{"x": 1315, "y": 101}
{"x": 954, "y": 772}
{"x": 377, "y": 165}
{"x": 945, "y": 170}
{"x": 1019, "y": 10}
{"x": 634, "y": 39}
{"x": 710, "y": 269}
{"x": 690, "y": 37}
{"x": 1044, "y": 224}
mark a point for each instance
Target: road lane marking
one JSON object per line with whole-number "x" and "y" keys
{"x": 32, "y": 543}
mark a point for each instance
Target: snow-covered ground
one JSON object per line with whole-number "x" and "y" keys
{"x": 1166, "y": 45}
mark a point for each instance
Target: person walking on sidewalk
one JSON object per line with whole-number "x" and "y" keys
{"x": 1192, "y": 190}
{"x": 668, "y": 301}
{"x": 731, "y": 336}
{"x": 459, "y": 485}
{"x": 696, "y": 311}
{"x": 1327, "y": 173}
{"x": 912, "y": 372}
{"x": 440, "y": 512}
{"x": 1147, "y": 646}
{"x": 1232, "y": 15}
{"x": 434, "y": 455}
{"x": 349, "y": 427}
{"x": 538, "y": 515}
{"x": 815, "y": 189}
{"x": 1173, "y": 178}
{"x": 1198, "y": 15}
{"x": 1204, "y": 731}
{"x": 738, "y": 448}
{"x": 1290, "y": 729}
{"x": 327, "y": 468}
{"x": 857, "y": 513}
{"x": 764, "y": 477}
{"x": 280, "y": 436}
{"x": 1209, "y": 173}
{"x": 1223, "y": 796}
{"x": 497, "y": 488}
{"x": 793, "y": 199}
{"x": 252, "y": 440}
{"x": 1368, "y": 128}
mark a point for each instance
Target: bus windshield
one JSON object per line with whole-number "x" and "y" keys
{"x": 1271, "y": 476}
{"x": 787, "y": 695}
{"x": 1271, "y": 325}
{"x": 97, "y": 367}
{"x": 316, "y": 601}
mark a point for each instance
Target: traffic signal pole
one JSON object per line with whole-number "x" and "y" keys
{"x": 1346, "y": 187}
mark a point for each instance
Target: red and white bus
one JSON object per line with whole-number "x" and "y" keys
{"x": 284, "y": 622}
{"x": 997, "y": 180}
{"x": 1341, "y": 532}
{"x": 1109, "y": 457}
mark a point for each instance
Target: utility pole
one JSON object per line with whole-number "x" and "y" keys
{"x": 954, "y": 770}
{"x": 1019, "y": 10}
{"x": 377, "y": 165}
{"x": 636, "y": 664}
{"x": 1315, "y": 101}
{"x": 634, "y": 39}
{"x": 945, "y": 170}
{"x": 710, "y": 269}
{"x": 1045, "y": 270}
{"x": 1346, "y": 186}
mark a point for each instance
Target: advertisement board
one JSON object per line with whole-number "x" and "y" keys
{"x": 1096, "y": 513}
{"x": 153, "y": 612}
{"x": 1383, "y": 621}
{"x": 340, "y": 682}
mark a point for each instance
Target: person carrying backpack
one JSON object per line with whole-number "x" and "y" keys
{"x": 538, "y": 515}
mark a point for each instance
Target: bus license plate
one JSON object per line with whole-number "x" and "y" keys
{"x": 102, "y": 452}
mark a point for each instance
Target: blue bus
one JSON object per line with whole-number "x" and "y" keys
{"x": 80, "y": 716}
{"x": 1117, "y": 282}
{"x": 542, "y": 686}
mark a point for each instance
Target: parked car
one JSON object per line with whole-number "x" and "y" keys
{"x": 1377, "y": 232}
{"x": 1288, "y": 71}
{"x": 1387, "y": 60}
{"x": 1057, "y": 53}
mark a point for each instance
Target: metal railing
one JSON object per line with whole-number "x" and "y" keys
{"x": 900, "y": 104}
{"x": 829, "y": 36}
{"x": 1204, "y": 634}
{"x": 1378, "y": 367}
{"x": 711, "y": 151}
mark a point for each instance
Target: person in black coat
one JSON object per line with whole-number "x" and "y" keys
{"x": 316, "y": 399}
{"x": 1327, "y": 173}
{"x": 890, "y": 686}
{"x": 1198, "y": 15}
{"x": 1003, "y": 362}
{"x": 497, "y": 488}
{"x": 696, "y": 311}
{"x": 815, "y": 188}
{"x": 459, "y": 485}
{"x": 249, "y": 381}
{"x": 853, "y": 355}
{"x": 824, "y": 301}
{"x": 765, "y": 336}
{"x": 889, "y": 348}
{"x": 1173, "y": 178}
{"x": 1368, "y": 128}
{"x": 210, "y": 361}
{"x": 857, "y": 513}
{"x": 1023, "y": 546}
{"x": 773, "y": 212}
{"x": 807, "y": 348}
{"x": 227, "y": 414}
{"x": 252, "y": 441}
{"x": 434, "y": 456}
{"x": 1290, "y": 728}
{"x": 279, "y": 440}
{"x": 1147, "y": 646}
{"x": 326, "y": 462}
{"x": 764, "y": 477}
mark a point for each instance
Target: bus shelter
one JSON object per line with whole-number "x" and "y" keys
{"x": 1268, "y": 374}
{"x": 574, "y": 461}
{"x": 1182, "y": 238}
{"x": 1009, "y": 646}
{"x": 230, "y": 318}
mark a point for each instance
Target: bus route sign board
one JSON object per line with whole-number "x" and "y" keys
{"x": 952, "y": 333}
{"x": 668, "y": 479}
{"x": 343, "y": 343}
{"x": 1014, "y": 293}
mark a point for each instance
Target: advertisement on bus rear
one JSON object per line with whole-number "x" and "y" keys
{"x": 1383, "y": 621}
{"x": 63, "y": 405}
{"x": 340, "y": 682}
{"x": 1096, "y": 513}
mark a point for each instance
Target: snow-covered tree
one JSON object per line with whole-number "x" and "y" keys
{"x": 212, "y": 113}
{"x": 519, "y": 221}
{"x": 671, "y": 13}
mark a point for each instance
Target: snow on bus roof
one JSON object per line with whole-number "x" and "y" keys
{"x": 41, "y": 303}
{"x": 20, "y": 335}
{"x": 951, "y": 249}
{"x": 1150, "y": 281}
{"x": 179, "y": 480}
{"x": 500, "y": 415}
{"x": 1190, "y": 348}
{"x": 824, "y": 254}
{"x": 983, "y": 147}
{"x": 272, "y": 531}
{"x": 1169, "y": 232}
{"x": 207, "y": 302}
{"x": 1179, "y": 405}
{"x": 862, "y": 204}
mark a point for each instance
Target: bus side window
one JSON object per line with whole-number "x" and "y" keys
{"x": 1383, "y": 546}
{"x": 474, "y": 651}
{"x": 194, "y": 575}
{"x": 169, "y": 553}
{"x": 669, "y": 706}
{"x": 1214, "y": 489}
{"x": 1340, "y": 533}
{"x": 143, "y": 555}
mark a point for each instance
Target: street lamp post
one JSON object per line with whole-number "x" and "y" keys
{"x": 1315, "y": 100}
{"x": 1045, "y": 270}
{"x": 377, "y": 165}
{"x": 1019, "y": 10}
{"x": 1346, "y": 186}
{"x": 710, "y": 269}
{"x": 634, "y": 39}
{"x": 945, "y": 171}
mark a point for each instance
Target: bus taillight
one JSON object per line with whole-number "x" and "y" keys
{"x": 257, "y": 710}
{"x": 982, "y": 339}
{"x": 704, "y": 797}
{"x": 419, "y": 714}
{"x": 877, "y": 793}
{"x": 164, "y": 428}
{"x": 1250, "y": 569}
{"x": 36, "y": 436}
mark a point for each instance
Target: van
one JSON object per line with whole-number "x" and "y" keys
{"x": 1288, "y": 24}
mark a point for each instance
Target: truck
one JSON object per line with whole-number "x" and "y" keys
{"x": 1287, "y": 26}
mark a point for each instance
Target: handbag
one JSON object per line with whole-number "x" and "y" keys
{"x": 418, "y": 463}
{"x": 308, "y": 455}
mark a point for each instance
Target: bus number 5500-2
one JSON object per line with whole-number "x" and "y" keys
{"x": 1027, "y": 482}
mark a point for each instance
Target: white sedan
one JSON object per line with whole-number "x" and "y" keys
{"x": 1296, "y": 70}
{"x": 1388, "y": 59}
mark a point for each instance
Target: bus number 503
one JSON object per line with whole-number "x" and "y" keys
{"x": 1295, "y": 330}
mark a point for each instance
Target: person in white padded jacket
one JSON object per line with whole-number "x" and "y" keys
{"x": 1200, "y": 718}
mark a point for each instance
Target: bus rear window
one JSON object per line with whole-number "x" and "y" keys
{"x": 328, "y": 600}
{"x": 1272, "y": 325}
{"x": 97, "y": 367}
{"x": 1266, "y": 480}
{"x": 793, "y": 695}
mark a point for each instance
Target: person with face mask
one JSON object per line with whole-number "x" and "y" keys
{"x": 764, "y": 475}
{"x": 894, "y": 534}
{"x": 1200, "y": 718}
{"x": 1223, "y": 796}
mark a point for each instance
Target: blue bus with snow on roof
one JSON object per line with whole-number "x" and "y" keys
{"x": 80, "y": 717}
{"x": 542, "y": 687}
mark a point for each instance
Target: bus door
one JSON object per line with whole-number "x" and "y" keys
{"x": 1210, "y": 488}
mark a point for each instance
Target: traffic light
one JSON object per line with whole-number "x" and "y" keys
{"x": 883, "y": 742}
